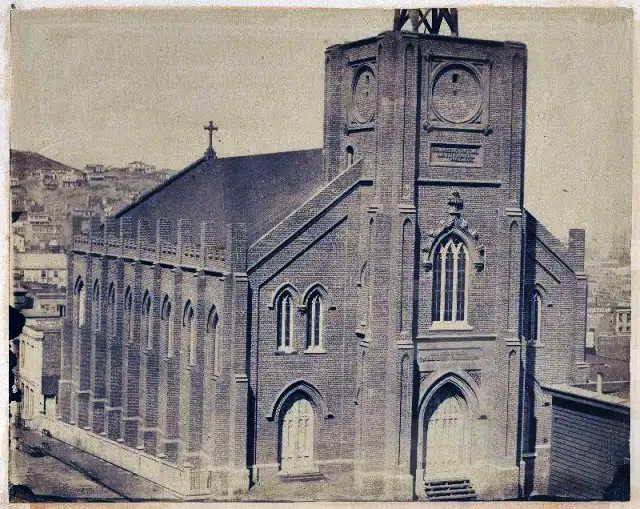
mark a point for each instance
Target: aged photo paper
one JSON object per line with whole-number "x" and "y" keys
{"x": 293, "y": 255}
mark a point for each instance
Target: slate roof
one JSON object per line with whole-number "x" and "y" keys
{"x": 259, "y": 190}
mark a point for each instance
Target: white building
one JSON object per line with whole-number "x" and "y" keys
{"x": 38, "y": 367}
{"x": 42, "y": 267}
{"x": 140, "y": 167}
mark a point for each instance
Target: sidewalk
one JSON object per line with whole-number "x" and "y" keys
{"x": 115, "y": 479}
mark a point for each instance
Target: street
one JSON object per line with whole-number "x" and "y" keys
{"x": 65, "y": 473}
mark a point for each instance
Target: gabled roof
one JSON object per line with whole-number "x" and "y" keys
{"x": 258, "y": 190}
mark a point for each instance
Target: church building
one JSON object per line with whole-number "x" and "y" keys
{"x": 382, "y": 308}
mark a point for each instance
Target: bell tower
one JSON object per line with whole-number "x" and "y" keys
{"x": 434, "y": 119}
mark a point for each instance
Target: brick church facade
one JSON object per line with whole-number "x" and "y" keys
{"x": 384, "y": 308}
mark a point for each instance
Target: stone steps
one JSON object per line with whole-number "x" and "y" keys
{"x": 459, "y": 489}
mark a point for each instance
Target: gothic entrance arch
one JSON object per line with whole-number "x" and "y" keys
{"x": 297, "y": 437}
{"x": 445, "y": 435}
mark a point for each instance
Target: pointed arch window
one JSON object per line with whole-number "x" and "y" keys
{"x": 111, "y": 310}
{"x": 126, "y": 319}
{"x": 81, "y": 298}
{"x": 285, "y": 321}
{"x": 450, "y": 282}
{"x": 535, "y": 320}
{"x": 350, "y": 155}
{"x": 95, "y": 306}
{"x": 190, "y": 330}
{"x": 315, "y": 323}
{"x": 212, "y": 336}
{"x": 167, "y": 329}
{"x": 147, "y": 329}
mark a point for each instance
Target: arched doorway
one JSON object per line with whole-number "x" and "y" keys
{"x": 297, "y": 437}
{"x": 445, "y": 435}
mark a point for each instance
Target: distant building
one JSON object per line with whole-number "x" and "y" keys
{"x": 74, "y": 180}
{"x": 46, "y": 301}
{"x": 42, "y": 267}
{"x": 17, "y": 241}
{"x": 94, "y": 168}
{"x": 95, "y": 179}
{"x": 140, "y": 167}
{"x": 39, "y": 367}
{"x": 40, "y": 228}
{"x": 50, "y": 181}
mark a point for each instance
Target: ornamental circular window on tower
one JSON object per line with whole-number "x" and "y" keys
{"x": 457, "y": 95}
{"x": 364, "y": 96}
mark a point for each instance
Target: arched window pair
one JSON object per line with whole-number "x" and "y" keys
{"x": 450, "y": 282}
{"x": 315, "y": 310}
{"x": 190, "y": 330}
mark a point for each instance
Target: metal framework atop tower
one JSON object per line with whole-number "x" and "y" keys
{"x": 426, "y": 20}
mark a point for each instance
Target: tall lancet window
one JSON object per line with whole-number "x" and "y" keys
{"x": 189, "y": 328}
{"x": 315, "y": 324}
{"x": 146, "y": 326}
{"x": 449, "y": 296}
{"x": 111, "y": 310}
{"x": 212, "y": 336}
{"x": 81, "y": 298}
{"x": 95, "y": 307}
{"x": 126, "y": 319}
{"x": 285, "y": 321}
{"x": 167, "y": 329}
{"x": 536, "y": 317}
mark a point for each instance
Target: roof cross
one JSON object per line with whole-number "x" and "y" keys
{"x": 211, "y": 127}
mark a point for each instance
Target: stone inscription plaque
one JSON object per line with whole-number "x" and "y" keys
{"x": 450, "y": 154}
{"x": 449, "y": 354}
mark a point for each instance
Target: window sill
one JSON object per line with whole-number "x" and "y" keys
{"x": 450, "y": 326}
{"x": 288, "y": 351}
{"x": 314, "y": 351}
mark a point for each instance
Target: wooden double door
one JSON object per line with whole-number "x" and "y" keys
{"x": 446, "y": 433}
{"x": 297, "y": 438}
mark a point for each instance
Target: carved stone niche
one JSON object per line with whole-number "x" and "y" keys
{"x": 457, "y": 94}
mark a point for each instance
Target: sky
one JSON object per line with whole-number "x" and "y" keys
{"x": 116, "y": 86}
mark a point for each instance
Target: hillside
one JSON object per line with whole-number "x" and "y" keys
{"x": 22, "y": 162}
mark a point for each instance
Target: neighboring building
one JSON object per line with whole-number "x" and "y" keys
{"x": 17, "y": 242}
{"x": 383, "y": 306}
{"x": 40, "y": 228}
{"x": 96, "y": 179}
{"x": 74, "y": 180}
{"x": 50, "y": 181}
{"x": 39, "y": 367}
{"x": 590, "y": 441}
{"x": 41, "y": 267}
{"x": 94, "y": 168}
{"x": 140, "y": 167}
{"x": 46, "y": 301}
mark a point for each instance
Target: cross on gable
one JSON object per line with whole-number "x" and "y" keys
{"x": 211, "y": 127}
